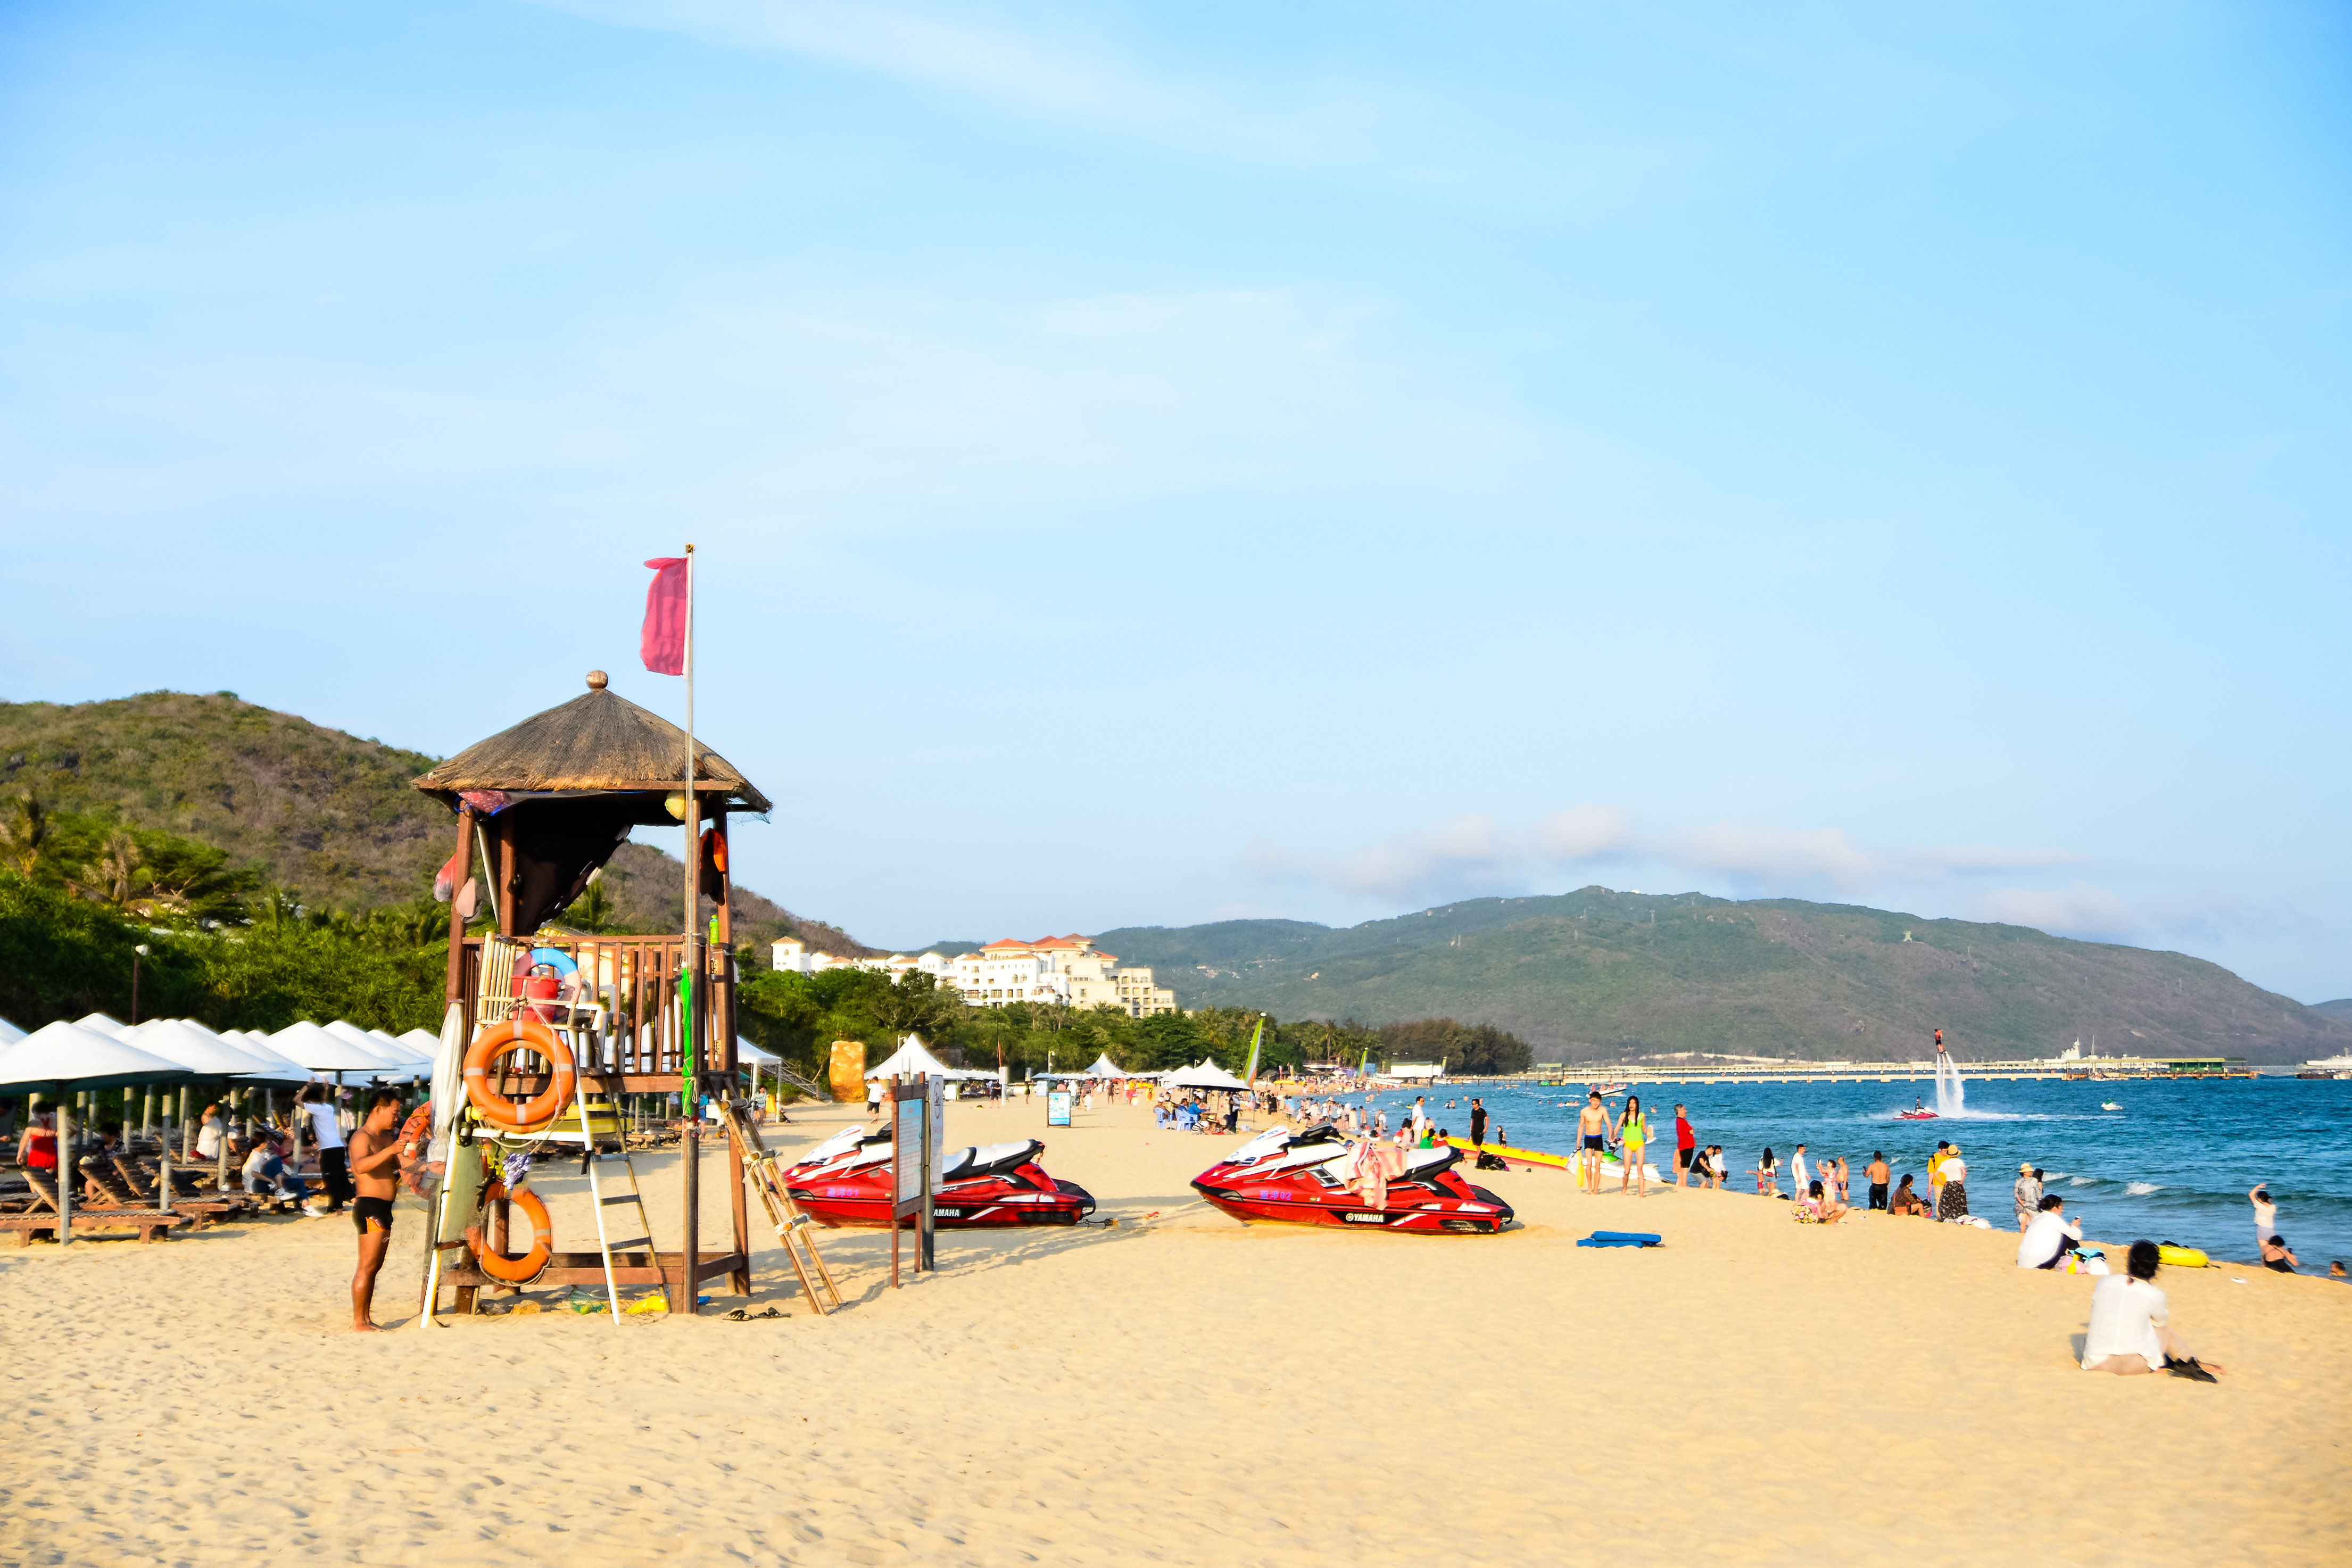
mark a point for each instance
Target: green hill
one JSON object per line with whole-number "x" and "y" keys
{"x": 1599, "y": 974}
{"x": 329, "y": 815}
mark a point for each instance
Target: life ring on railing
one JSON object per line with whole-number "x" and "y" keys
{"x": 520, "y": 1032}
{"x": 498, "y": 1265}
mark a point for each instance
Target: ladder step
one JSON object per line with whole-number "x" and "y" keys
{"x": 623, "y": 1197}
{"x": 631, "y": 1244}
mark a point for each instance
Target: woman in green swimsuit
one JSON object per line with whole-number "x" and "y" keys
{"x": 1634, "y": 1131}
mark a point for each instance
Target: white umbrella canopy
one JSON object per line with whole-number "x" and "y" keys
{"x": 68, "y": 1056}
{"x": 397, "y": 1063}
{"x": 99, "y": 1023}
{"x": 274, "y": 1068}
{"x": 309, "y": 1047}
{"x": 1207, "y": 1076}
{"x": 9, "y": 1033}
{"x": 746, "y": 1051}
{"x": 199, "y": 1049}
{"x": 1105, "y": 1066}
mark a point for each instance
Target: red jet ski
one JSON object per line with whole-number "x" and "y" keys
{"x": 1301, "y": 1178}
{"x": 845, "y": 1180}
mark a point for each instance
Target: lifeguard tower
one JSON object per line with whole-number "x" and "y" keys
{"x": 540, "y": 808}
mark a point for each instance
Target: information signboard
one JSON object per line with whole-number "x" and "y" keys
{"x": 1057, "y": 1108}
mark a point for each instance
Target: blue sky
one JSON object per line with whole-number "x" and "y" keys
{"x": 1158, "y": 463}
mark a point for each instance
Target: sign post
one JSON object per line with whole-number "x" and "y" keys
{"x": 1057, "y": 1107}
{"x": 915, "y": 1135}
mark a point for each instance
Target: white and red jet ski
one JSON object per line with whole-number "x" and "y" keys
{"x": 1302, "y": 1178}
{"x": 845, "y": 1180}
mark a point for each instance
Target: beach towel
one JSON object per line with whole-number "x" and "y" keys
{"x": 1623, "y": 1238}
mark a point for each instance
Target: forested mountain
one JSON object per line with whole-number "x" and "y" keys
{"x": 330, "y": 816}
{"x": 1599, "y": 973}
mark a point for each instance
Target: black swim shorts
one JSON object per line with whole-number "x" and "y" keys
{"x": 1878, "y": 1194}
{"x": 1595, "y": 1140}
{"x": 1686, "y": 1159}
{"x": 376, "y": 1208}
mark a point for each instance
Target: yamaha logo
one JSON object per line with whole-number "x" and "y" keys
{"x": 1365, "y": 1218}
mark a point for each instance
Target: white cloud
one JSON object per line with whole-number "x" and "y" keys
{"x": 2080, "y": 910}
{"x": 1767, "y": 855}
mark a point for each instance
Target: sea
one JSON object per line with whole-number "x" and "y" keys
{"x": 2173, "y": 1163}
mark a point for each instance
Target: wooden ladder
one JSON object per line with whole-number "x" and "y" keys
{"x": 593, "y": 1158}
{"x": 792, "y": 1227}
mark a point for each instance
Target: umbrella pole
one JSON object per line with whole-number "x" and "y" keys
{"x": 68, "y": 1173}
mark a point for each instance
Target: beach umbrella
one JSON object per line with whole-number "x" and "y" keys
{"x": 62, "y": 1057}
{"x": 99, "y": 1023}
{"x": 422, "y": 1041}
{"x": 397, "y": 1063}
{"x": 9, "y": 1033}
{"x": 308, "y": 1046}
{"x": 200, "y": 1051}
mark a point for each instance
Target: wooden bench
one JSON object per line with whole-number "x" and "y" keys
{"x": 149, "y": 1223}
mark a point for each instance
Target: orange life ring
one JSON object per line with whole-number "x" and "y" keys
{"x": 498, "y": 1265}
{"x": 522, "y": 1032}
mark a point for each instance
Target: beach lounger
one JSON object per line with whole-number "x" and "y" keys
{"x": 139, "y": 1192}
{"x": 42, "y": 1219}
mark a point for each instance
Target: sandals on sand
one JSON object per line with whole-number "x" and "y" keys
{"x": 2190, "y": 1370}
{"x": 746, "y": 1315}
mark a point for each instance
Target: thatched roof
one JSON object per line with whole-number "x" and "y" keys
{"x": 596, "y": 741}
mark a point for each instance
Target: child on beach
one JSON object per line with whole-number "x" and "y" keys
{"x": 1768, "y": 1175}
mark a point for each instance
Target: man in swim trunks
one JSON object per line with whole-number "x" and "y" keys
{"x": 1877, "y": 1173}
{"x": 1592, "y": 1139}
{"x": 374, "y": 1172}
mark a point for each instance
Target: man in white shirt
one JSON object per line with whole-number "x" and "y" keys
{"x": 2131, "y": 1331}
{"x": 2044, "y": 1244}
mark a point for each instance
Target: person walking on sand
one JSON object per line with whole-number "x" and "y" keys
{"x": 1952, "y": 1201}
{"x": 1634, "y": 1132}
{"x": 1592, "y": 1137}
{"x": 1477, "y": 1122}
{"x": 1686, "y": 1146}
{"x": 326, "y": 1136}
{"x": 1877, "y": 1171}
{"x": 374, "y": 1149}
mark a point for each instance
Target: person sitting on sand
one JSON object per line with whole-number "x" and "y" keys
{"x": 2131, "y": 1329}
{"x": 1821, "y": 1205}
{"x": 2044, "y": 1244}
{"x": 2277, "y": 1255}
{"x": 266, "y": 1176}
{"x": 1907, "y": 1200}
{"x": 1952, "y": 1203}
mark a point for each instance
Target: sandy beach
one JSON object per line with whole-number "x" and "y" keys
{"x": 1177, "y": 1388}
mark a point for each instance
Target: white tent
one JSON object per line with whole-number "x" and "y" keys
{"x": 745, "y": 1051}
{"x": 9, "y": 1033}
{"x": 307, "y": 1046}
{"x": 1105, "y": 1066}
{"x": 66, "y": 1054}
{"x": 911, "y": 1058}
{"x": 1207, "y": 1076}
{"x": 424, "y": 1040}
{"x": 395, "y": 1056}
{"x": 200, "y": 1052}
{"x": 99, "y": 1023}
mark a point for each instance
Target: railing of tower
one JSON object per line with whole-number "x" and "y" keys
{"x": 617, "y": 1006}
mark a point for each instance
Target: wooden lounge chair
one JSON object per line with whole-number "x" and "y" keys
{"x": 42, "y": 1219}
{"x": 138, "y": 1191}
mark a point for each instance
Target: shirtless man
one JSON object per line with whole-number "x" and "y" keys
{"x": 1877, "y": 1171}
{"x": 374, "y": 1173}
{"x": 1592, "y": 1139}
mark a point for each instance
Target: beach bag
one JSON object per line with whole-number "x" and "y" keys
{"x": 1487, "y": 1162}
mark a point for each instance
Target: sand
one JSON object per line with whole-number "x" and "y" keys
{"x": 1176, "y": 1389}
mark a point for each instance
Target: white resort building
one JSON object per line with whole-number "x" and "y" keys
{"x": 1065, "y": 970}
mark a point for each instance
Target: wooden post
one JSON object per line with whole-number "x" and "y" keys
{"x": 506, "y": 876}
{"x": 455, "y": 988}
{"x": 690, "y": 1263}
{"x": 725, "y": 1013}
{"x": 68, "y": 1171}
{"x": 187, "y": 1128}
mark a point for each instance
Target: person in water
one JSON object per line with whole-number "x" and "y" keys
{"x": 1592, "y": 1137}
{"x": 1877, "y": 1173}
{"x": 2131, "y": 1326}
{"x": 1634, "y": 1131}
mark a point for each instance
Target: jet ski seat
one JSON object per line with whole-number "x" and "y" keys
{"x": 989, "y": 1159}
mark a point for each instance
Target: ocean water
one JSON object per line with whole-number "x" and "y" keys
{"x": 2173, "y": 1165}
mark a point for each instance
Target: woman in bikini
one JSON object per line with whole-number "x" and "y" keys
{"x": 1633, "y": 1133}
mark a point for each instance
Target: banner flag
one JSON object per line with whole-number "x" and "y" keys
{"x": 662, "y": 644}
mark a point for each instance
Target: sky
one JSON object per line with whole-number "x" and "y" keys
{"x": 1158, "y": 463}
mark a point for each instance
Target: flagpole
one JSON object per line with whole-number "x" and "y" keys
{"x": 691, "y": 1044}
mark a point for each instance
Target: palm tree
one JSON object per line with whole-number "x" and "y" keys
{"x": 111, "y": 878}
{"x": 26, "y": 831}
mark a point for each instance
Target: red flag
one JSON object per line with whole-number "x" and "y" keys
{"x": 663, "y": 644}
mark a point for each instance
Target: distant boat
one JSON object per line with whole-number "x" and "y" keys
{"x": 2109, "y": 1106}
{"x": 1610, "y": 1091}
{"x": 1915, "y": 1116}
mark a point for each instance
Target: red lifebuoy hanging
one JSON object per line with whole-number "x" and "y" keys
{"x": 498, "y": 1265}
{"x": 522, "y": 1031}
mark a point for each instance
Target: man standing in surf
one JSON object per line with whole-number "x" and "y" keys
{"x": 1592, "y": 1139}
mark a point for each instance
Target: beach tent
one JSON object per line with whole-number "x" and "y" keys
{"x": 911, "y": 1058}
{"x": 9, "y": 1033}
{"x": 424, "y": 1040}
{"x": 343, "y": 1028}
{"x": 309, "y": 1047}
{"x": 99, "y": 1023}
{"x": 1207, "y": 1076}
{"x": 64, "y": 1057}
{"x": 1105, "y": 1066}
